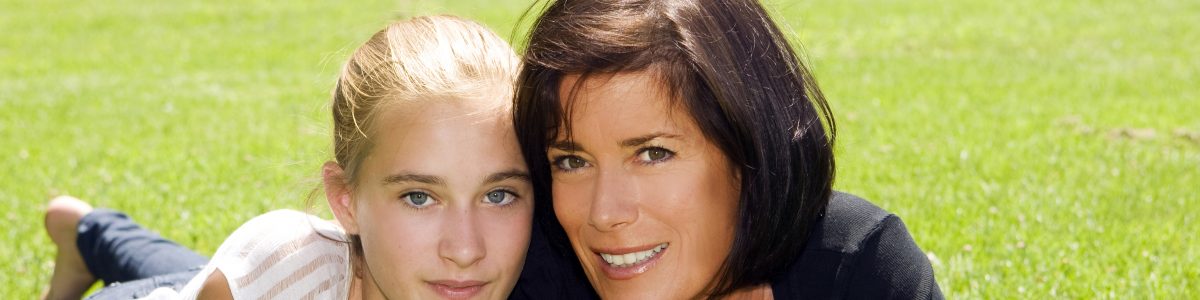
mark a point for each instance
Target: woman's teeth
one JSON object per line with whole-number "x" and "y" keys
{"x": 628, "y": 259}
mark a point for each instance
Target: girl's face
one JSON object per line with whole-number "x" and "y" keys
{"x": 648, "y": 203}
{"x": 443, "y": 204}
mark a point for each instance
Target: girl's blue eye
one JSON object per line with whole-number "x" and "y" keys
{"x": 654, "y": 155}
{"x": 417, "y": 199}
{"x": 499, "y": 197}
{"x": 569, "y": 163}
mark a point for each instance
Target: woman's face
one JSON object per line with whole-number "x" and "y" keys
{"x": 443, "y": 203}
{"x": 648, "y": 203}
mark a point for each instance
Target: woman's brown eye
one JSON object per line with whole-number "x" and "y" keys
{"x": 574, "y": 163}
{"x": 569, "y": 163}
{"x": 654, "y": 155}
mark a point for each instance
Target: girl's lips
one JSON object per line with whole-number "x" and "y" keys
{"x": 453, "y": 289}
{"x": 628, "y": 270}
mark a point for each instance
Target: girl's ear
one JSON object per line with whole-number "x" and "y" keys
{"x": 338, "y": 193}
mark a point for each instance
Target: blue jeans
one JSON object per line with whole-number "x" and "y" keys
{"x": 132, "y": 260}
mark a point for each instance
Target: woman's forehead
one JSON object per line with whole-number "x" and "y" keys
{"x": 620, "y": 107}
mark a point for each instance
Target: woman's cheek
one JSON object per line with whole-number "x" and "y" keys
{"x": 568, "y": 207}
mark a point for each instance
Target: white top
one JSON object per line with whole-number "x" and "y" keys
{"x": 283, "y": 254}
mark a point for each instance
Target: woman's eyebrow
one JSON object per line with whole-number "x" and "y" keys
{"x": 507, "y": 174}
{"x": 567, "y": 146}
{"x": 638, "y": 141}
{"x": 407, "y": 177}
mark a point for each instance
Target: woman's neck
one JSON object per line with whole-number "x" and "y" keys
{"x": 759, "y": 292}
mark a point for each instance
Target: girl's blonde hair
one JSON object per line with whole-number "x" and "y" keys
{"x": 424, "y": 58}
{"x": 431, "y": 58}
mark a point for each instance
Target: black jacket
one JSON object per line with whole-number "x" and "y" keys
{"x": 856, "y": 251}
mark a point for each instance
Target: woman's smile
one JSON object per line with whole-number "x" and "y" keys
{"x": 626, "y": 263}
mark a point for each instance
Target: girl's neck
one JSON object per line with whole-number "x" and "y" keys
{"x": 355, "y": 289}
{"x": 364, "y": 288}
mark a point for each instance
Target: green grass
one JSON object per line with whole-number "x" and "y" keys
{"x": 1035, "y": 148}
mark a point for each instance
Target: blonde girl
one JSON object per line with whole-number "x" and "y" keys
{"x": 431, "y": 196}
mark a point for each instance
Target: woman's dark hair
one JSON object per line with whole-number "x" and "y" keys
{"x": 729, "y": 65}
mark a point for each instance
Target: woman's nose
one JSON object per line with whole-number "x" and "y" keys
{"x": 614, "y": 202}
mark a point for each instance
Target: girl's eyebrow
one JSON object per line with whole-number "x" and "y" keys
{"x": 434, "y": 180}
{"x": 507, "y": 174}
{"x": 407, "y": 177}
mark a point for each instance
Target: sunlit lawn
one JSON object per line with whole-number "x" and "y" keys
{"x": 1034, "y": 148}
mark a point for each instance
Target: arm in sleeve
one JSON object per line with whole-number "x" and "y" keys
{"x": 891, "y": 266}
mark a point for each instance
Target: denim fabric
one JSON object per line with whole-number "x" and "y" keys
{"x": 142, "y": 287}
{"x": 117, "y": 250}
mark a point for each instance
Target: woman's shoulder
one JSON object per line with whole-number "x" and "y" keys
{"x": 858, "y": 250}
{"x": 847, "y": 221}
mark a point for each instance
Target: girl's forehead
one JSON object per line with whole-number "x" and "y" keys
{"x": 436, "y": 109}
{"x": 445, "y": 122}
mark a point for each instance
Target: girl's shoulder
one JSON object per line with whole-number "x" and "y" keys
{"x": 282, "y": 254}
{"x": 283, "y": 232}
{"x": 289, "y": 223}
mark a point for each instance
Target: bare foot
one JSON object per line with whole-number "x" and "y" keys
{"x": 71, "y": 277}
